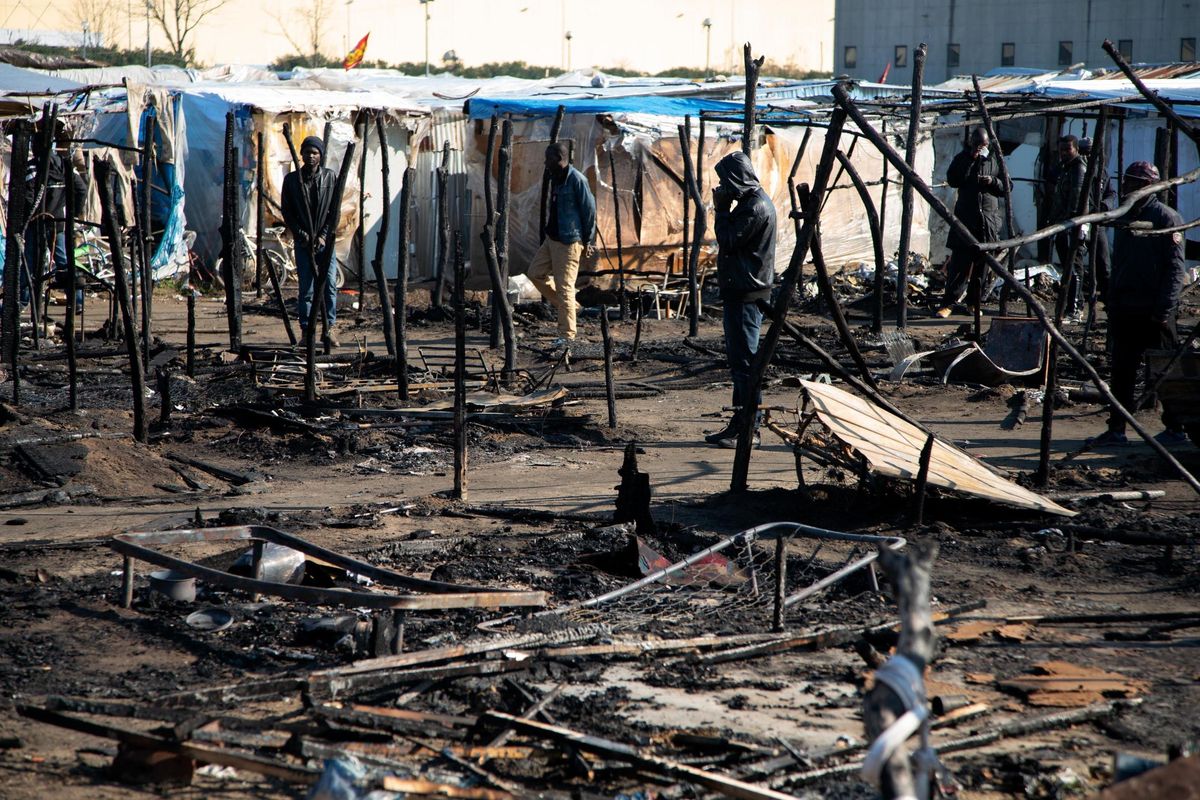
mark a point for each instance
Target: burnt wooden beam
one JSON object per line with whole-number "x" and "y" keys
{"x": 906, "y": 198}
{"x": 401, "y": 306}
{"x": 385, "y": 300}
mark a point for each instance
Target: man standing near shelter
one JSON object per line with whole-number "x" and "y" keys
{"x": 975, "y": 173}
{"x": 306, "y": 200}
{"x": 1143, "y": 298}
{"x": 570, "y": 229}
{"x": 745, "y": 228}
{"x": 1064, "y": 204}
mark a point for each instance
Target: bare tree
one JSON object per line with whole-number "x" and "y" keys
{"x": 178, "y": 20}
{"x": 304, "y": 27}
{"x": 100, "y": 21}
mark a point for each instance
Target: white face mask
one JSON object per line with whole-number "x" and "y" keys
{"x": 984, "y": 152}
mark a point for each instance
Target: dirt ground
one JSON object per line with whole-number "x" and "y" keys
{"x": 380, "y": 495}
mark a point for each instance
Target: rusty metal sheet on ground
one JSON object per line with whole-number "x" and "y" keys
{"x": 892, "y": 448}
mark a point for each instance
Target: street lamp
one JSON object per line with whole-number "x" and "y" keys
{"x": 707, "y": 45}
{"x": 425, "y": 5}
{"x": 346, "y": 38}
{"x": 568, "y": 36}
{"x": 149, "y": 9}
{"x": 85, "y": 38}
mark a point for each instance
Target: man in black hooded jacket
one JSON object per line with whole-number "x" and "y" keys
{"x": 745, "y": 227}
{"x": 306, "y": 200}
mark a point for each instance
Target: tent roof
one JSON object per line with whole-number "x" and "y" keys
{"x": 15, "y": 80}
{"x": 657, "y": 105}
{"x": 281, "y": 98}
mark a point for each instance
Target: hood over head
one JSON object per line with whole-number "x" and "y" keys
{"x": 736, "y": 171}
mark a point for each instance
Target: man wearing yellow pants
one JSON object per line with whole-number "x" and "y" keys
{"x": 570, "y": 230}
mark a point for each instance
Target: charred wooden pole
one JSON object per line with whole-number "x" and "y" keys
{"x": 1120, "y": 155}
{"x": 877, "y": 314}
{"x": 1042, "y": 476}
{"x": 876, "y": 236}
{"x": 624, "y": 296}
{"x": 766, "y": 348}
{"x": 112, "y": 231}
{"x": 43, "y": 146}
{"x": 163, "y": 378}
{"x": 489, "y": 218}
{"x": 777, "y": 617}
{"x": 609, "y": 389}
{"x": 385, "y": 224}
{"x": 918, "y": 515}
{"x": 363, "y": 127}
{"x": 260, "y": 211}
{"x": 503, "y": 194}
{"x": 701, "y": 224}
{"x": 146, "y": 235}
{"x": 442, "y": 181}
{"x": 752, "y": 65}
{"x": 326, "y": 136}
{"x": 544, "y": 202}
{"x": 1099, "y": 152}
{"x": 324, "y": 277}
{"x": 1009, "y": 216}
{"x": 843, "y": 101}
{"x": 906, "y": 197}
{"x": 835, "y": 309}
{"x": 400, "y": 318}
{"x": 639, "y": 313}
{"x": 460, "y": 372}
{"x": 191, "y": 332}
{"x": 230, "y": 247}
{"x": 16, "y": 215}
{"x": 792, "y": 189}
{"x": 72, "y": 282}
{"x": 685, "y": 139}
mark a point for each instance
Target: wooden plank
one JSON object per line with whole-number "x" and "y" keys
{"x": 421, "y": 787}
{"x": 731, "y": 787}
{"x": 892, "y": 447}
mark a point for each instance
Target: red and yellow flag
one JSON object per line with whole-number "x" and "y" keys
{"x": 355, "y": 56}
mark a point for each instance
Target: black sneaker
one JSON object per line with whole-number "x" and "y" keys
{"x": 724, "y": 433}
{"x": 1109, "y": 439}
{"x": 730, "y": 441}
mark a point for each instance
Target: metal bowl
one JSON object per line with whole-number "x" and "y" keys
{"x": 175, "y": 585}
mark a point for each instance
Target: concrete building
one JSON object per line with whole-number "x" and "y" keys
{"x": 973, "y": 36}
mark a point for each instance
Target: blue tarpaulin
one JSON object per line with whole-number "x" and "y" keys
{"x": 679, "y": 107}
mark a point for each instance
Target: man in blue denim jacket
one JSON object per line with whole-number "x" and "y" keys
{"x": 570, "y": 230}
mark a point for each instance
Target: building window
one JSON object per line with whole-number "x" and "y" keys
{"x": 1125, "y": 48}
{"x": 901, "y": 55}
{"x": 1008, "y": 54}
{"x": 1187, "y": 49}
{"x": 952, "y": 53}
{"x": 850, "y": 57}
{"x": 1065, "y": 53}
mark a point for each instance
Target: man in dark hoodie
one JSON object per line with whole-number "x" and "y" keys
{"x": 570, "y": 230}
{"x": 1064, "y": 204}
{"x": 306, "y": 200}
{"x": 1143, "y": 298}
{"x": 745, "y": 227}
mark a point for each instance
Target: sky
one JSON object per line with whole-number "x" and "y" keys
{"x": 647, "y": 35}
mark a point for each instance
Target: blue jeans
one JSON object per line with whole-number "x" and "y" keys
{"x": 307, "y": 279}
{"x": 743, "y": 322}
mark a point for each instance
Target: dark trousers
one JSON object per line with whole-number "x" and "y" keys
{"x": 743, "y": 322}
{"x": 1132, "y": 335}
{"x": 964, "y": 275}
{"x": 1070, "y": 276}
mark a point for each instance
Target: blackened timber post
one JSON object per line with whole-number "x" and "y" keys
{"x": 906, "y": 198}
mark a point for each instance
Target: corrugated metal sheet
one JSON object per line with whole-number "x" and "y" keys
{"x": 445, "y": 125}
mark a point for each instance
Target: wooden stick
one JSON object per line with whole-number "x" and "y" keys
{"x": 609, "y": 391}
{"x": 72, "y": 284}
{"x": 44, "y": 147}
{"x": 324, "y": 267}
{"x": 362, "y": 127}
{"x": 624, "y": 297}
{"x": 191, "y": 332}
{"x": 460, "y": 373}
{"x": 503, "y": 319}
{"x": 701, "y": 227}
{"x": 728, "y": 786}
{"x": 230, "y": 247}
{"x": 1099, "y": 146}
{"x": 637, "y": 331}
{"x": 146, "y": 236}
{"x": 685, "y": 138}
{"x": 489, "y": 217}
{"x": 104, "y": 172}
{"x": 922, "y": 482}
{"x": 500, "y": 239}
{"x": 844, "y": 101}
{"x": 752, "y": 66}
{"x": 260, "y": 211}
{"x": 906, "y": 198}
{"x": 401, "y": 311}
{"x": 766, "y": 349}
{"x": 835, "y": 310}
{"x": 544, "y": 204}
{"x": 877, "y": 313}
{"x": 777, "y": 622}
{"x": 876, "y": 234}
{"x": 385, "y": 300}
{"x": 443, "y": 229}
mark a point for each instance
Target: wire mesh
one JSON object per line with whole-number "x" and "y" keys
{"x": 731, "y": 587}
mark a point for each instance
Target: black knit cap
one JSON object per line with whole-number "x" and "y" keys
{"x": 314, "y": 142}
